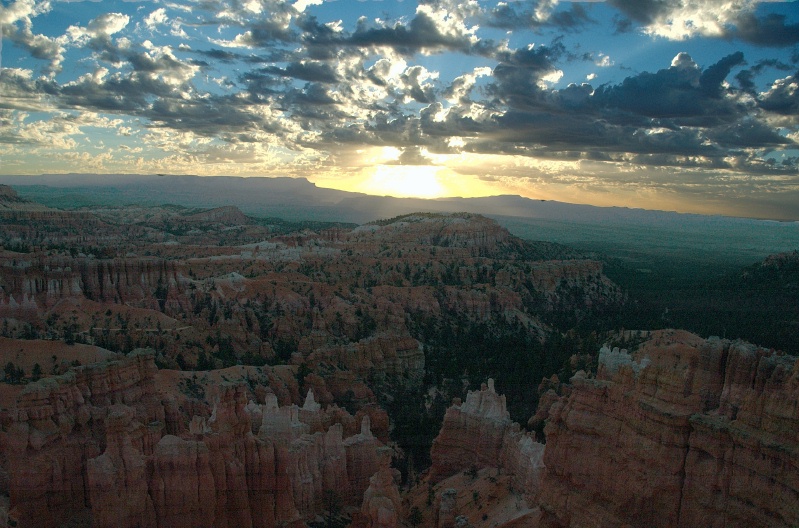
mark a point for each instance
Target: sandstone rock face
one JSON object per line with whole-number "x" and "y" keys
{"x": 382, "y": 504}
{"x": 60, "y": 422}
{"x": 684, "y": 432}
{"x": 472, "y": 433}
{"x": 94, "y": 443}
{"x": 479, "y": 433}
{"x": 47, "y": 280}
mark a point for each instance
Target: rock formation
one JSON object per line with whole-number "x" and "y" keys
{"x": 382, "y": 504}
{"x": 98, "y": 442}
{"x": 682, "y": 432}
{"x": 479, "y": 433}
{"x": 61, "y": 422}
{"x": 46, "y": 281}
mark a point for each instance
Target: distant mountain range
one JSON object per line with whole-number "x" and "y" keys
{"x": 626, "y": 232}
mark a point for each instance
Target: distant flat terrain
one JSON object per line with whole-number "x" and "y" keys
{"x": 640, "y": 238}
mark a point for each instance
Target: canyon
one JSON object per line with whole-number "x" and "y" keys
{"x": 703, "y": 430}
{"x": 178, "y": 367}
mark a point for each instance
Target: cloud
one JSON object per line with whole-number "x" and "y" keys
{"x": 535, "y": 15}
{"x": 16, "y": 25}
{"x": 55, "y": 133}
{"x": 266, "y": 22}
{"x": 783, "y": 97}
{"x": 462, "y": 86}
{"x": 770, "y": 30}
{"x": 520, "y": 75}
{"x": 746, "y": 77}
{"x": 682, "y": 93}
{"x": 156, "y": 18}
{"x": 411, "y": 156}
{"x": 436, "y": 27}
{"x": 748, "y": 134}
{"x": 415, "y": 85}
{"x": 680, "y": 116}
{"x": 309, "y": 90}
{"x": 313, "y": 71}
{"x": 683, "y": 19}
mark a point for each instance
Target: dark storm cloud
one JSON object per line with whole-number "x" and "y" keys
{"x": 422, "y": 33}
{"x": 519, "y": 73}
{"x": 521, "y": 16}
{"x": 228, "y": 57}
{"x": 770, "y": 30}
{"x": 643, "y": 11}
{"x": 747, "y": 133}
{"x": 682, "y": 93}
{"x": 313, "y": 71}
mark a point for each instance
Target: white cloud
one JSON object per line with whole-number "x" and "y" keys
{"x": 552, "y": 77}
{"x": 603, "y": 61}
{"x": 23, "y": 11}
{"x": 155, "y": 18}
{"x": 461, "y": 86}
{"x": 684, "y": 61}
{"x": 684, "y": 19}
{"x": 302, "y": 5}
{"x": 104, "y": 25}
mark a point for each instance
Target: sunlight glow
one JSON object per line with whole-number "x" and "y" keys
{"x": 405, "y": 181}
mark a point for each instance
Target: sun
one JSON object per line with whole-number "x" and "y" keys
{"x": 405, "y": 181}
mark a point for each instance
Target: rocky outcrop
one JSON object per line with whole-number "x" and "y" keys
{"x": 479, "y": 433}
{"x": 140, "y": 281}
{"x": 98, "y": 443}
{"x": 459, "y": 230}
{"x": 380, "y": 355}
{"x": 682, "y": 432}
{"x": 382, "y": 504}
{"x": 61, "y": 422}
{"x": 228, "y": 215}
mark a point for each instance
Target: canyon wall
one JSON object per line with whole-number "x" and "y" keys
{"x": 46, "y": 280}
{"x": 479, "y": 433}
{"x": 683, "y": 432}
{"x": 102, "y": 445}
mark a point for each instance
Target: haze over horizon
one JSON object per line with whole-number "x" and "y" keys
{"x": 683, "y": 106}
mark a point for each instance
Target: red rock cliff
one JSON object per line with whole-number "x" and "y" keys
{"x": 91, "y": 446}
{"x": 683, "y": 432}
{"x": 479, "y": 433}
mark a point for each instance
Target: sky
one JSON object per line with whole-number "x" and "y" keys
{"x": 685, "y": 105}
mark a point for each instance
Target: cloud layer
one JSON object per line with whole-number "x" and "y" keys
{"x": 270, "y": 87}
